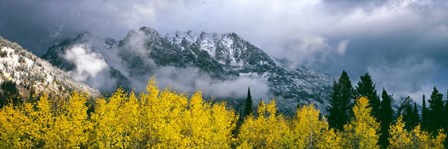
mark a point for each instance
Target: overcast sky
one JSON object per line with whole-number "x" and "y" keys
{"x": 403, "y": 44}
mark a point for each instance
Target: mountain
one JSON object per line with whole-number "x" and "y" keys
{"x": 222, "y": 59}
{"x": 32, "y": 75}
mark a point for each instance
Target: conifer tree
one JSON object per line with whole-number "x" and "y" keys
{"x": 424, "y": 114}
{"x": 341, "y": 102}
{"x": 409, "y": 113}
{"x": 248, "y": 104}
{"x": 435, "y": 113}
{"x": 386, "y": 116}
{"x": 415, "y": 115}
{"x": 366, "y": 88}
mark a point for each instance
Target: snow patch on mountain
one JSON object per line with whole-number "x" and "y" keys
{"x": 34, "y": 75}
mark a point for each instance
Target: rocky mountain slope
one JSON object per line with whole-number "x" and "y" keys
{"x": 219, "y": 57}
{"x": 33, "y": 75}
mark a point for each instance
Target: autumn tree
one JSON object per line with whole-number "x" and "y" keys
{"x": 362, "y": 131}
{"x": 265, "y": 131}
{"x": 310, "y": 131}
{"x": 400, "y": 137}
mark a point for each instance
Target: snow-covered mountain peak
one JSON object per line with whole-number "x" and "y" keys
{"x": 213, "y": 57}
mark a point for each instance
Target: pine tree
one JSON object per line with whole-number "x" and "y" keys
{"x": 248, "y": 104}
{"x": 366, "y": 88}
{"x": 341, "y": 102}
{"x": 415, "y": 115}
{"x": 425, "y": 110}
{"x": 435, "y": 113}
{"x": 386, "y": 115}
{"x": 409, "y": 113}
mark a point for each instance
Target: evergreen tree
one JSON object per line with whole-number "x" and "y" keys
{"x": 385, "y": 116}
{"x": 9, "y": 93}
{"x": 415, "y": 115}
{"x": 409, "y": 113}
{"x": 446, "y": 119}
{"x": 366, "y": 88}
{"x": 436, "y": 109}
{"x": 246, "y": 112}
{"x": 248, "y": 104}
{"x": 424, "y": 114}
{"x": 341, "y": 102}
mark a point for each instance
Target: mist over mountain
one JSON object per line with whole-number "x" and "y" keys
{"x": 221, "y": 65}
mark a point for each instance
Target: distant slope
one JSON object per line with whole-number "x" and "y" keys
{"x": 32, "y": 74}
{"x": 222, "y": 58}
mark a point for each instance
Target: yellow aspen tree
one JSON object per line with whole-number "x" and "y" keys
{"x": 162, "y": 115}
{"x": 439, "y": 140}
{"x": 362, "y": 131}
{"x": 71, "y": 124}
{"x": 130, "y": 116}
{"x": 265, "y": 131}
{"x": 414, "y": 139}
{"x": 117, "y": 122}
{"x": 331, "y": 140}
{"x": 399, "y": 137}
{"x": 223, "y": 121}
{"x": 308, "y": 130}
{"x": 208, "y": 126}
{"x": 422, "y": 139}
{"x": 44, "y": 118}
{"x": 15, "y": 128}
{"x": 198, "y": 121}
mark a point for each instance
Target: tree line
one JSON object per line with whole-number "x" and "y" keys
{"x": 167, "y": 119}
{"x": 432, "y": 119}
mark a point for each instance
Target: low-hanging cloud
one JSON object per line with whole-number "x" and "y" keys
{"x": 88, "y": 64}
{"x": 192, "y": 79}
{"x": 90, "y": 67}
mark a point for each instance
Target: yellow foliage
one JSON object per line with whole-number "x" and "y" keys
{"x": 401, "y": 138}
{"x": 362, "y": 131}
{"x": 166, "y": 119}
{"x": 308, "y": 130}
{"x": 265, "y": 131}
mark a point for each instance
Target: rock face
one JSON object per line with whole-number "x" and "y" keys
{"x": 221, "y": 56}
{"x": 33, "y": 75}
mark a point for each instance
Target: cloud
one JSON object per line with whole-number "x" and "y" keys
{"x": 407, "y": 77}
{"x": 342, "y": 46}
{"x": 192, "y": 79}
{"x": 87, "y": 64}
{"x": 90, "y": 67}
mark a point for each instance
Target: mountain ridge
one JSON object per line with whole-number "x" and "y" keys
{"x": 34, "y": 76}
{"x": 143, "y": 52}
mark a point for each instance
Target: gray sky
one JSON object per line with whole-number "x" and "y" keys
{"x": 402, "y": 43}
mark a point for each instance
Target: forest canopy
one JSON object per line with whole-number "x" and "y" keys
{"x": 167, "y": 119}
